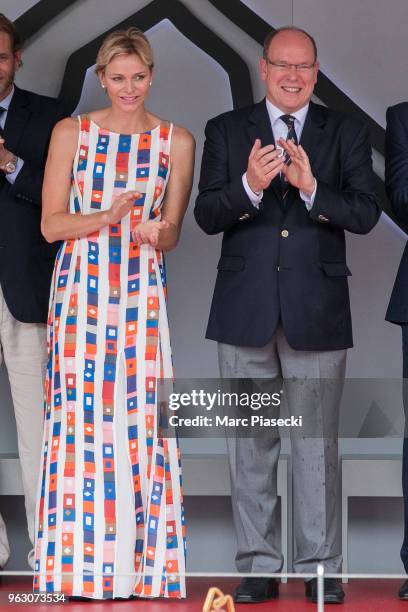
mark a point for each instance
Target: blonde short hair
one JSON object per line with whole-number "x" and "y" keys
{"x": 124, "y": 42}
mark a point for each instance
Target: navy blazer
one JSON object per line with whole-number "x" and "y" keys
{"x": 396, "y": 183}
{"x": 26, "y": 260}
{"x": 283, "y": 262}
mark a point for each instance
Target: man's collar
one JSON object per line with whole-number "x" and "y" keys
{"x": 274, "y": 112}
{"x": 5, "y": 103}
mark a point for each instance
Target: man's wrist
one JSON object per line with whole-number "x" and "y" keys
{"x": 255, "y": 191}
{"x": 9, "y": 165}
{"x": 309, "y": 188}
{"x": 255, "y": 198}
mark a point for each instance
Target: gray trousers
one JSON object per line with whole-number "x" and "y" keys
{"x": 254, "y": 461}
{"x": 23, "y": 349}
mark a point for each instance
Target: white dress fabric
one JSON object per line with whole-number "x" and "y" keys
{"x": 110, "y": 519}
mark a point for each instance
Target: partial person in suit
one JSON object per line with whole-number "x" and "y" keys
{"x": 281, "y": 301}
{"x": 396, "y": 183}
{"x": 26, "y": 260}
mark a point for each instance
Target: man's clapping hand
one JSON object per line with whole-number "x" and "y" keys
{"x": 264, "y": 163}
{"x": 298, "y": 173}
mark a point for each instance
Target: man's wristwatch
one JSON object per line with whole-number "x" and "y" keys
{"x": 10, "y": 166}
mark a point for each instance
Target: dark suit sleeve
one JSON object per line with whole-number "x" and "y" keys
{"x": 28, "y": 184}
{"x": 396, "y": 160}
{"x": 222, "y": 199}
{"x": 353, "y": 206}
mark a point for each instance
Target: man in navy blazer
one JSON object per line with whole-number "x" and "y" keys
{"x": 396, "y": 182}
{"x": 26, "y": 260}
{"x": 281, "y": 301}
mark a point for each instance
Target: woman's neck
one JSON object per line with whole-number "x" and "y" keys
{"x": 119, "y": 121}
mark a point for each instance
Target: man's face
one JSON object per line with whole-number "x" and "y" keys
{"x": 287, "y": 87}
{"x": 9, "y": 64}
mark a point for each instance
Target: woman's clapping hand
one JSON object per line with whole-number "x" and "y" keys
{"x": 122, "y": 205}
{"x": 149, "y": 232}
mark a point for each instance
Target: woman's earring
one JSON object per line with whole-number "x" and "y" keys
{"x": 150, "y": 83}
{"x": 103, "y": 86}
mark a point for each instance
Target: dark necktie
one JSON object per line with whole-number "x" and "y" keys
{"x": 289, "y": 120}
{"x": 2, "y": 110}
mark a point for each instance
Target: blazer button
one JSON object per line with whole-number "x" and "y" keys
{"x": 322, "y": 218}
{"x": 284, "y": 233}
{"x": 246, "y": 216}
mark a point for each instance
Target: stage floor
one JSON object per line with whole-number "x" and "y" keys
{"x": 361, "y": 596}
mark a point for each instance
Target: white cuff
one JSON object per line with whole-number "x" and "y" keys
{"x": 309, "y": 200}
{"x": 255, "y": 198}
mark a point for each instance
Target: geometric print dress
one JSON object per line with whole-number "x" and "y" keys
{"x": 110, "y": 519}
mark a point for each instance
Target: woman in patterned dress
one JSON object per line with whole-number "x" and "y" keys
{"x": 110, "y": 511}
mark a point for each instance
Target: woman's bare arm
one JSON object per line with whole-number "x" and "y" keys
{"x": 57, "y": 223}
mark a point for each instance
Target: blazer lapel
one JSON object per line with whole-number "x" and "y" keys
{"x": 260, "y": 127}
{"x": 17, "y": 117}
{"x": 313, "y": 131}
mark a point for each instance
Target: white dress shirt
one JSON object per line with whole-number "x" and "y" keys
{"x": 280, "y": 130}
{"x": 5, "y": 103}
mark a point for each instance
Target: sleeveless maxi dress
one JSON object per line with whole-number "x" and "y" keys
{"x": 110, "y": 519}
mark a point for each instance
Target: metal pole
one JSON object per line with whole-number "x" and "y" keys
{"x": 320, "y": 588}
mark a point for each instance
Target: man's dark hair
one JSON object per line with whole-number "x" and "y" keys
{"x": 9, "y": 28}
{"x": 271, "y": 35}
